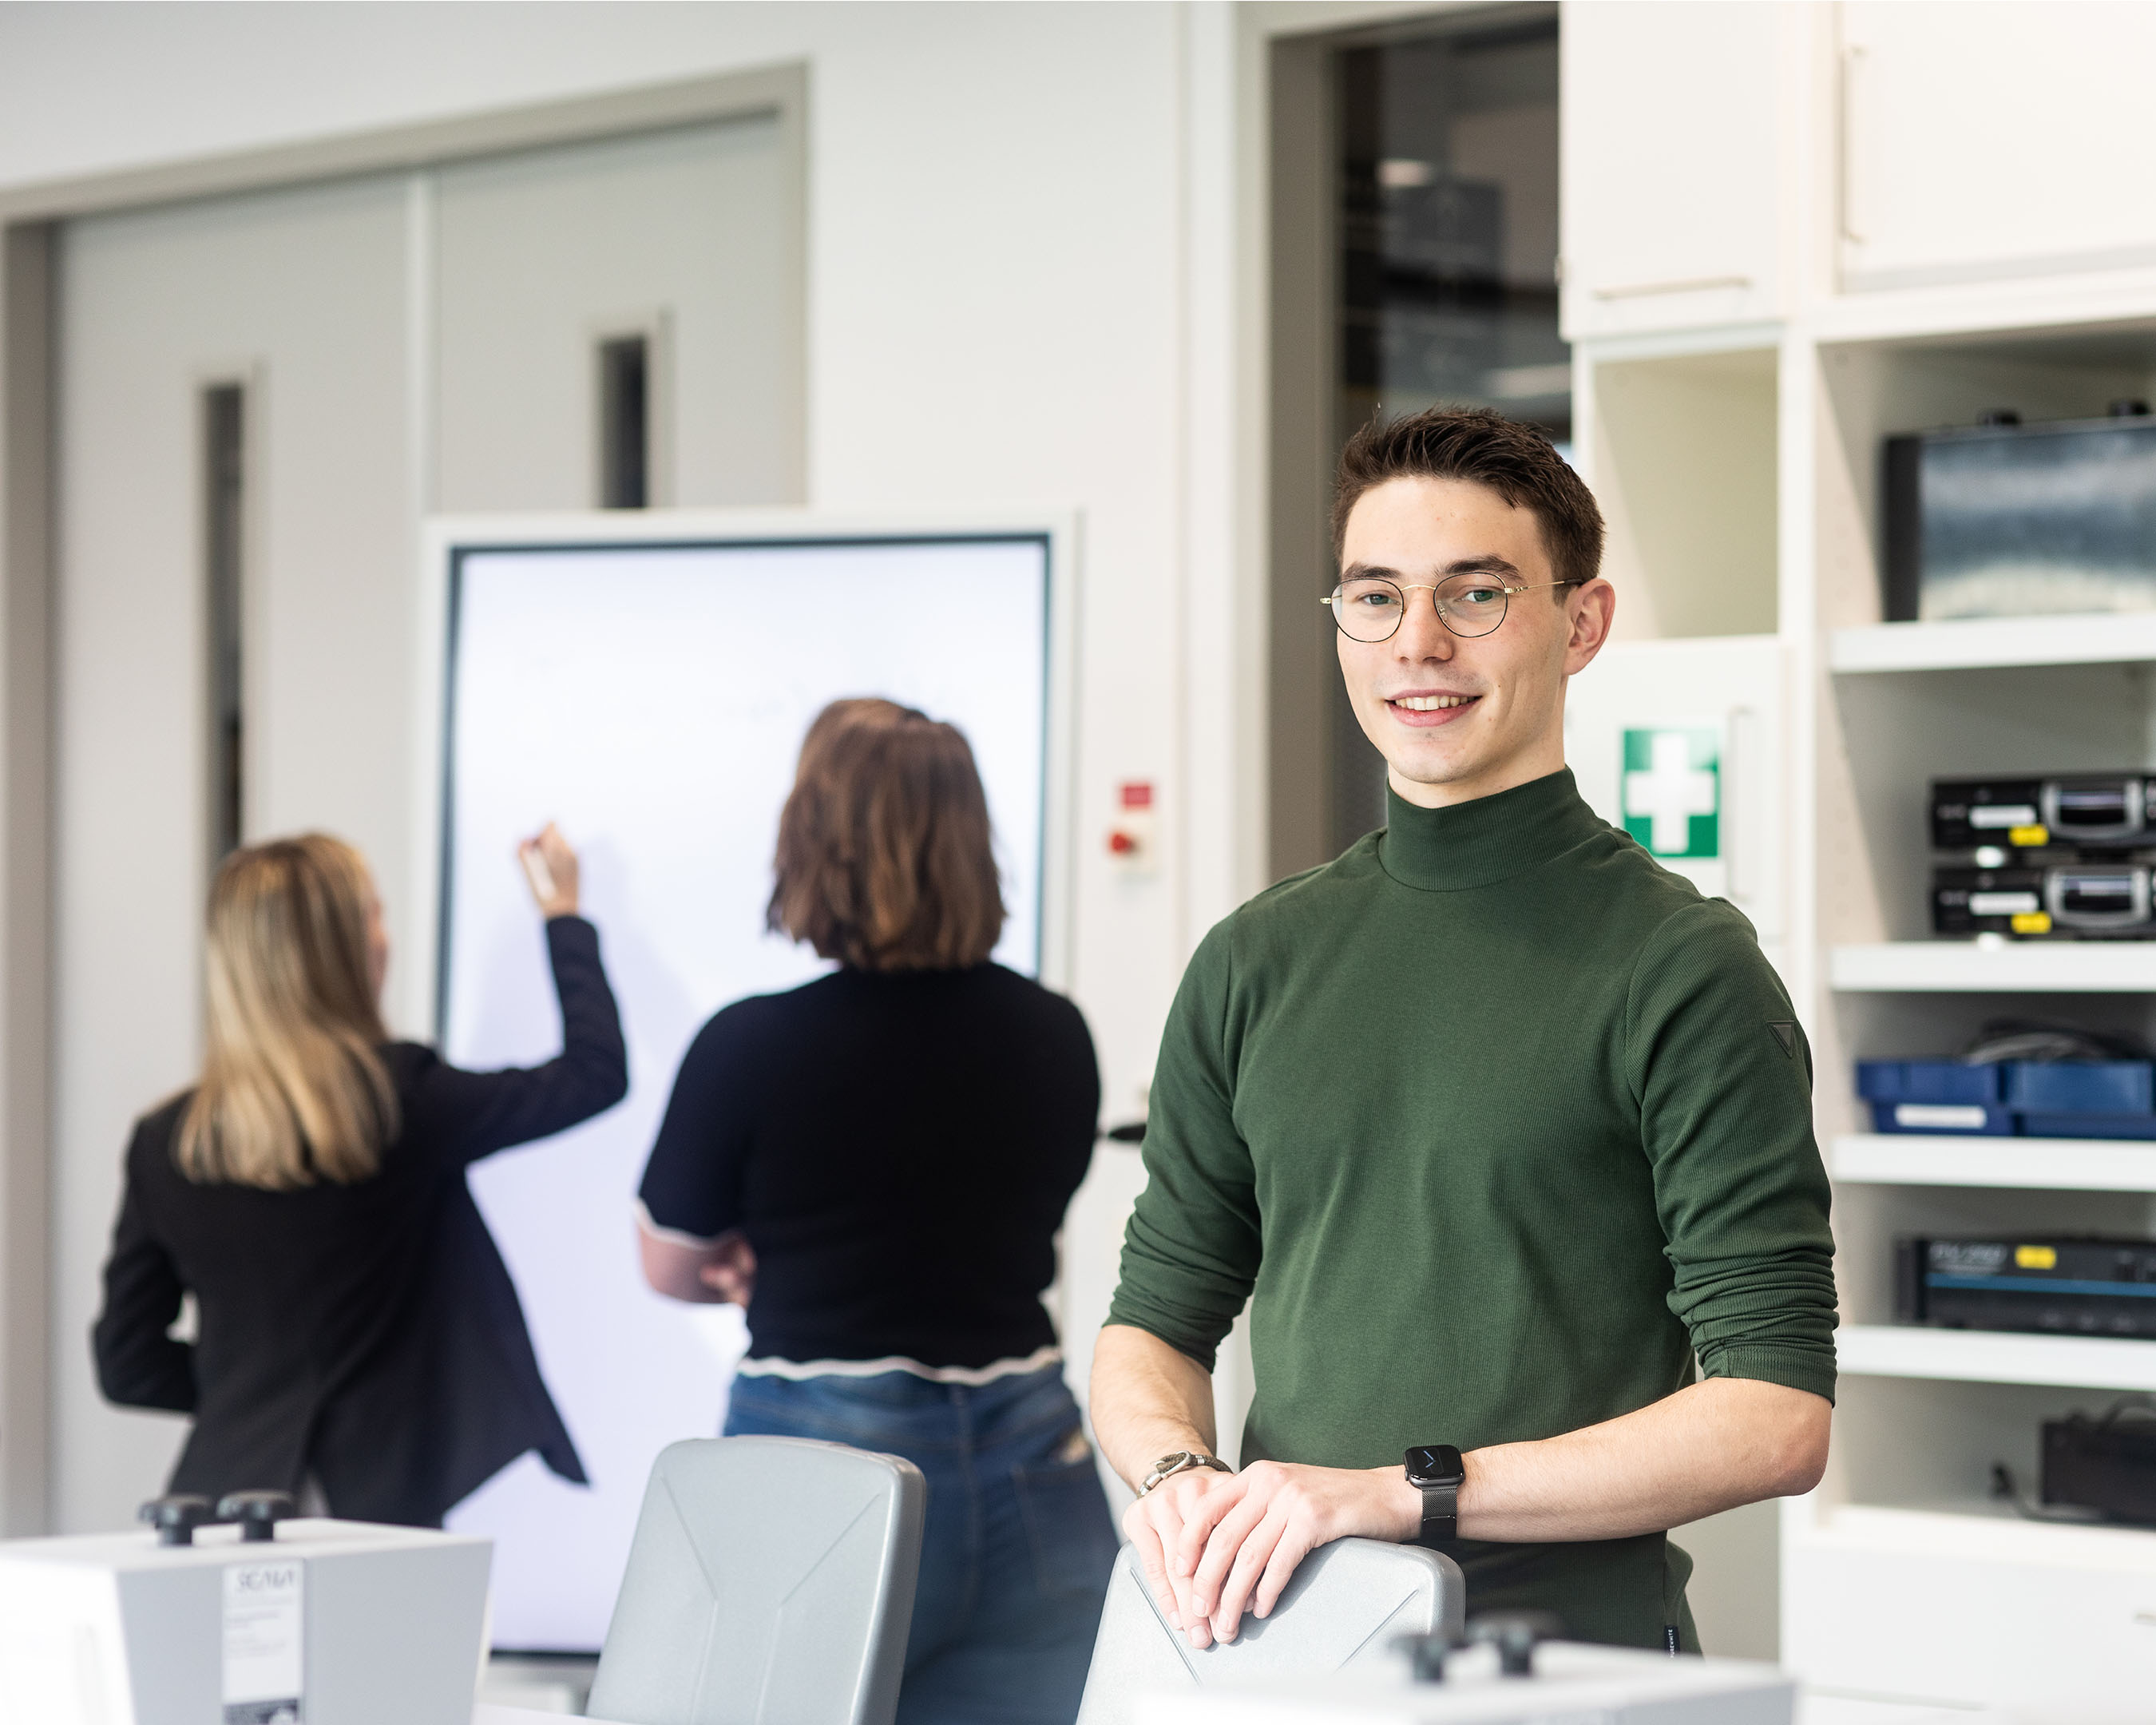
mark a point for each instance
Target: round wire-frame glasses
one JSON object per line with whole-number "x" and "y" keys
{"x": 1370, "y": 608}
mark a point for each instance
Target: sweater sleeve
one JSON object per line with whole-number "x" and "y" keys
{"x": 695, "y": 1178}
{"x": 1191, "y": 1252}
{"x": 1722, "y": 1074}
{"x": 485, "y": 1111}
{"x": 139, "y": 1362}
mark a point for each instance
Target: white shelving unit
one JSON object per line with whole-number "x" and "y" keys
{"x": 1992, "y": 642}
{"x": 2013, "y": 968}
{"x": 1736, "y": 453}
{"x": 1993, "y": 1357}
{"x": 2013, "y": 1165}
{"x": 1715, "y": 422}
{"x": 1924, "y": 1411}
{"x": 1984, "y": 1531}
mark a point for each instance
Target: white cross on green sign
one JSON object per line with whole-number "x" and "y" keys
{"x": 1672, "y": 790}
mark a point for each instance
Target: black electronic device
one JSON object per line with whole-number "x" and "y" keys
{"x": 2008, "y": 519}
{"x": 2045, "y": 1285}
{"x": 2106, "y": 811}
{"x": 2107, "y": 1465}
{"x": 2083, "y": 901}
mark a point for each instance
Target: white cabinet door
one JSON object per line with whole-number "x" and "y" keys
{"x": 1728, "y": 694}
{"x": 1998, "y": 140}
{"x": 1671, "y": 167}
{"x": 1960, "y": 1631}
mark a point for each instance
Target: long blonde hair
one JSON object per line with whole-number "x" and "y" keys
{"x": 294, "y": 1090}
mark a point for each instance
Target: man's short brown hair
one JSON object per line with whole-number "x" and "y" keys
{"x": 885, "y": 861}
{"x": 1517, "y": 462}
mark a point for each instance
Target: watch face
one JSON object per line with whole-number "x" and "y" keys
{"x": 1435, "y": 1465}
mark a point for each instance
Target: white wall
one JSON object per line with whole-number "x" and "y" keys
{"x": 1023, "y": 226}
{"x": 996, "y": 304}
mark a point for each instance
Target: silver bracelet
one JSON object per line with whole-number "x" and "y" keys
{"x": 1182, "y": 1461}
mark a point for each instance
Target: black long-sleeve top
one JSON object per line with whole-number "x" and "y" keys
{"x": 368, "y": 1333}
{"x": 898, "y": 1146}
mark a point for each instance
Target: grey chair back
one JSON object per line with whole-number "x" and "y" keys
{"x": 770, "y": 1582}
{"x": 1346, "y": 1604}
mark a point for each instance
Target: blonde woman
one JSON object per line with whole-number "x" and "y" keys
{"x": 357, "y": 1339}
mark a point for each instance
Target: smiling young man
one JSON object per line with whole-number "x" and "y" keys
{"x": 1498, "y": 1126}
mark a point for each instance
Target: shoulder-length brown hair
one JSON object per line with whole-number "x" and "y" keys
{"x": 884, "y": 861}
{"x": 294, "y": 1090}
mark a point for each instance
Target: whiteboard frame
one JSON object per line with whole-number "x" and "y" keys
{"x": 416, "y": 987}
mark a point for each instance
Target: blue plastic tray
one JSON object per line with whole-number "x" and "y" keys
{"x": 1932, "y": 1080}
{"x": 2080, "y": 1086}
{"x": 2087, "y": 1126}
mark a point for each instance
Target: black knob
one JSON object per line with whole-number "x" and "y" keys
{"x": 1998, "y": 416}
{"x": 257, "y": 1512}
{"x": 1516, "y": 1634}
{"x": 176, "y": 1517}
{"x": 2127, "y": 408}
{"x": 1130, "y": 1132}
{"x": 1426, "y": 1655}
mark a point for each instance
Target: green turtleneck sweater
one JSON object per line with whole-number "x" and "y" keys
{"x": 1498, "y": 1126}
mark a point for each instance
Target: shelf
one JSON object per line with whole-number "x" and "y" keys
{"x": 2026, "y": 967}
{"x": 1991, "y": 642}
{"x": 1991, "y": 1357}
{"x": 1979, "y": 1532}
{"x": 2027, "y": 1164}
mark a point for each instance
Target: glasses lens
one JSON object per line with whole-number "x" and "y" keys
{"x": 1472, "y": 604}
{"x": 1368, "y": 610}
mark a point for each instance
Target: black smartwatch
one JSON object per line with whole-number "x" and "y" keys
{"x": 1437, "y": 1470}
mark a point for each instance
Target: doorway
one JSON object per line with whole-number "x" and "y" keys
{"x": 1415, "y": 203}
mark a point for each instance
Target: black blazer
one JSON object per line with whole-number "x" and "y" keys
{"x": 367, "y": 1333}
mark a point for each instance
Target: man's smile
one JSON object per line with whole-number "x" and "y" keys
{"x": 1425, "y": 708}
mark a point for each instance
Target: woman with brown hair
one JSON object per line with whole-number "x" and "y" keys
{"x": 875, "y": 1166}
{"x": 358, "y": 1340}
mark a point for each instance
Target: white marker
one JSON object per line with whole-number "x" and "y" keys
{"x": 537, "y": 872}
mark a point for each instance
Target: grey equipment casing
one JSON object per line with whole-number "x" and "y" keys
{"x": 115, "y": 1629}
{"x": 1346, "y": 1604}
{"x": 1574, "y": 1683}
{"x": 770, "y": 1582}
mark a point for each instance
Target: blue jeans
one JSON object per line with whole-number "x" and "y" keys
{"x": 1015, "y": 1557}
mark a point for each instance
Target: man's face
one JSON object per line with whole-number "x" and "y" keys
{"x": 1458, "y": 717}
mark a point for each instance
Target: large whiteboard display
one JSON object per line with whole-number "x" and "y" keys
{"x": 651, "y": 697}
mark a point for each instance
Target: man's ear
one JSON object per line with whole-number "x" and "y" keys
{"x": 1591, "y": 609}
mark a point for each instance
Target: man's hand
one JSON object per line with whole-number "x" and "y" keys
{"x": 1155, "y": 1525}
{"x": 1230, "y": 1544}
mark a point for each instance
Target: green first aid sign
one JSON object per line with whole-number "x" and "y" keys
{"x": 1672, "y": 782}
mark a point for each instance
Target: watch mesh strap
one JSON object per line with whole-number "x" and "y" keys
{"x": 1441, "y": 1515}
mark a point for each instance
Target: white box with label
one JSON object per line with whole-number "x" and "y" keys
{"x": 331, "y": 1622}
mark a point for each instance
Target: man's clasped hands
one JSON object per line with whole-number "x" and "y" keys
{"x": 1215, "y": 1546}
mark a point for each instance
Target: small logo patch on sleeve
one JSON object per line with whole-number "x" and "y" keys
{"x": 1785, "y": 1033}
